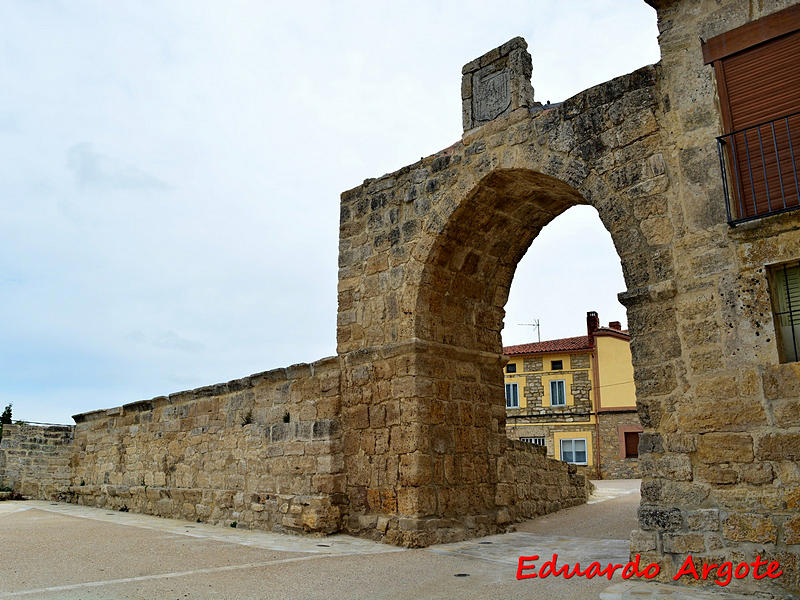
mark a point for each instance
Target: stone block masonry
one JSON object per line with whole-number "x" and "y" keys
{"x": 531, "y": 485}
{"x": 496, "y": 84}
{"x": 35, "y": 459}
{"x": 263, "y": 452}
{"x": 613, "y": 463}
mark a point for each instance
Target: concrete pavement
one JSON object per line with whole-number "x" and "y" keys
{"x": 67, "y": 552}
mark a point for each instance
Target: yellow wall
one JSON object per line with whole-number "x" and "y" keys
{"x": 569, "y": 435}
{"x": 546, "y": 379}
{"x": 548, "y": 358}
{"x": 616, "y": 373}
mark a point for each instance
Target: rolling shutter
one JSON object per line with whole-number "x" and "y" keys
{"x": 758, "y": 78}
{"x": 763, "y": 84}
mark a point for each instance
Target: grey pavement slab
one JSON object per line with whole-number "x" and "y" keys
{"x": 55, "y": 551}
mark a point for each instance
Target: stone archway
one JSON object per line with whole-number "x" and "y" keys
{"x": 427, "y": 255}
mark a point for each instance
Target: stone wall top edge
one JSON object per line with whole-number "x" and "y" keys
{"x": 280, "y": 374}
{"x": 526, "y": 447}
{"x": 495, "y": 53}
{"x": 11, "y": 428}
{"x": 582, "y": 101}
{"x": 375, "y": 184}
{"x": 644, "y": 76}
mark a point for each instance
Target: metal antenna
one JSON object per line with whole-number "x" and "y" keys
{"x": 538, "y": 330}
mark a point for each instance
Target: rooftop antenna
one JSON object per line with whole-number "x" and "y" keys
{"x": 538, "y": 330}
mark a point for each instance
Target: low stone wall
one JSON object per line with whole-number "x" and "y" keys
{"x": 35, "y": 459}
{"x": 263, "y": 452}
{"x": 530, "y": 484}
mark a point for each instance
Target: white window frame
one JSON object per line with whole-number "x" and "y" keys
{"x": 512, "y": 402}
{"x": 537, "y": 440}
{"x": 572, "y": 450}
{"x": 563, "y": 386}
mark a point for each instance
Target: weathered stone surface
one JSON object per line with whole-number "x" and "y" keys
{"x": 703, "y": 520}
{"x": 684, "y": 543}
{"x": 749, "y": 528}
{"x": 660, "y": 519}
{"x": 35, "y": 459}
{"x": 791, "y": 529}
{"x": 715, "y": 448}
{"x": 779, "y": 446}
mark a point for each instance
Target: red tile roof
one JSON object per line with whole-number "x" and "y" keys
{"x": 569, "y": 344}
{"x": 564, "y": 344}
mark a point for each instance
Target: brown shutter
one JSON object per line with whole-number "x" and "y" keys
{"x": 757, "y": 86}
{"x": 763, "y": 82}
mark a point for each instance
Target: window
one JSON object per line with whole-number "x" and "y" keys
{"x": 556, "y": 365}
{"x": 558, "y": 392}
{"x": 785, "y": 280}
{"x": 574, "y": 451}
{"x": 512, "y": 395}
{"x": 758, "y": 80}
{"x": 536, "y": 441}
{"x": 629, "y": 440}
{"x": 631, "y": 444}
{"x": 511, "y": 368}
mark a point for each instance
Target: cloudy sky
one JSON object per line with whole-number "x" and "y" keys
{"x": 170, "y": 175}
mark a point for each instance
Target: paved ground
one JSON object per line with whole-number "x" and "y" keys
{"x": 65, "y": 552}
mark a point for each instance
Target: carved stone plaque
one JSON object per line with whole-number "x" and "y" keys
{"x": 496, "y": 84}
{"x": 492, "y": 95}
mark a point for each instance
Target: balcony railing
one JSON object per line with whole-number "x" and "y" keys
{"x": 760, "y": 169}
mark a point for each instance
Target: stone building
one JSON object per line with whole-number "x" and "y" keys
{"x": 576, "y": 397}
{"x": 402, "y": 435}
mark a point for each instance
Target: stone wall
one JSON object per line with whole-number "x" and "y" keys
{"x": 720, "y": 449}
{"x": 612, "y": 466}
{"x": 269, "y": 452}
{"x": 264, "y": 451}
{"x": 35, "y": 459}
{"x": 427, "y": 255}
{"x": 425, "y": 445}
{"x": 530, "y": 484}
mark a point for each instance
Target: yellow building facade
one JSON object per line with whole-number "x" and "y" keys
{"x": 576, "y": 397}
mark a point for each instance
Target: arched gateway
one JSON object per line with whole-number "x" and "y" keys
{"x": 427, "y": 255}
{"x": 426, "y": 258}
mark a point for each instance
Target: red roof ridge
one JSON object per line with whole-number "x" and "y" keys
{"x": 580, "y": 342}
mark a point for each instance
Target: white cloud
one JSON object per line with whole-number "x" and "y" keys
{"x": 93, "y": 169}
